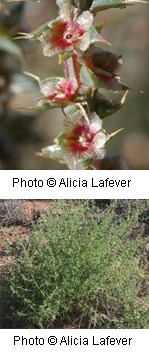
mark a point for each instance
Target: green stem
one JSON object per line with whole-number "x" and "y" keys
{"x": 72, "y": 69}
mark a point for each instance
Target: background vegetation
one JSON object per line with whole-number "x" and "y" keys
{"x": 82, "y": 267}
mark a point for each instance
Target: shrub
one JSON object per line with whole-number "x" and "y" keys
{"x": 78, "y": 266}
{"x": 11, "y": 212}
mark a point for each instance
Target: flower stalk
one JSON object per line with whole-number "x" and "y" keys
{"x": 76, "y": 68}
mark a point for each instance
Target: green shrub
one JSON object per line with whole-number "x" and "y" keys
{"x": 79, "y": 265}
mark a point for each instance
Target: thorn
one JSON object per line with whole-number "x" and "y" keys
{"x": 127, "y": 2}
{"x": 124, "y": 97}
{"x": 26, "y": 108}
{"x": 103, "y": 40}
{"x": 33, "y": 76}
{"x": 110, "y": 136}
{"x": 23, "y": 35}
{"x": 39, "y": 154}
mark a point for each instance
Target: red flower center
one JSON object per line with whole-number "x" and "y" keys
{"x": 68, "y": 36}
{"x": 65, "y": 34}
{"x": 64, "y": 91}
{"x": 81, "y": 138}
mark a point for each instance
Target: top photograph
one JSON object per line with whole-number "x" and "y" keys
{"x": 74, "y": 85}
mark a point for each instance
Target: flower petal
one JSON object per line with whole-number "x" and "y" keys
{"x": 100, "y": 153}
{"x": 47, "y": 86}
{"x": 85, "y": 20}
{"x": 49, "y": 50}
{"x": 65, "y": 12}
{"x": 70, "y": 161}
{"x": 100, "y": 140}
{"x": 73, "y": 120}
{"x": 74, "y": 162}
{"x": 84, "y": 42}
{"x": 96, "y": 122}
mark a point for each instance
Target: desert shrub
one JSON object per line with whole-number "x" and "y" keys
{"x": 79, "y": 266}
{"x": 11, "y": 212}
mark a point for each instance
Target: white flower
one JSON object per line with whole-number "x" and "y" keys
{"x": 84, "y": 140}
{"x": 59, "y": 89}
{"x": 81, "y": 140}
{"x": 68, "y": 32}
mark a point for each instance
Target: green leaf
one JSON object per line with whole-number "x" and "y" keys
{"x": 62, "y": 2}
{"x": 45, "y": 104}
{"x": 40, "y": 30}
{"x": 71, "y": 109}
{"x": 102, "y": 80}
{"x": 103, "y": 64}
{"x": 48, "y": 81}
{"x": 88, "y": 78}
{"x": 96, "y": 37}
{"x": 64, "y": 56}
{"x": 99, "y": 5}
{"x": 60, "y": 138}
{"x": 97, "y": 58}
{"x": 104, "y": 106}
{"x": 83, "y": 4}
{"x": 110, "y": 163}
{"x": 19, "y": 0}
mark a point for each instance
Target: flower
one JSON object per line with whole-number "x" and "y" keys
{"x": 68, "y": 32}
{"x": 59, "y": 90}
{"x": 81, "y": 140}
{"x": 84, "y": 140}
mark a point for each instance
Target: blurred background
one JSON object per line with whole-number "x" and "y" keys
{"x": 25, "y": 132}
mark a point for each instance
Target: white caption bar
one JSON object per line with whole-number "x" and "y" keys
{"x": 64, "y": 343}
{"x": 58, "y": 184}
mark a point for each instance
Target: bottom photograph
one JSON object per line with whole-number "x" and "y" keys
{"x": 74, "y": 264}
